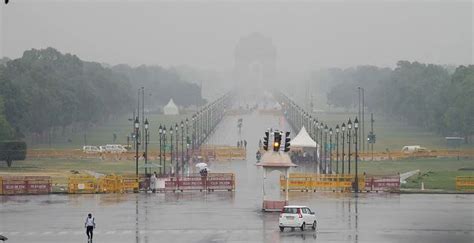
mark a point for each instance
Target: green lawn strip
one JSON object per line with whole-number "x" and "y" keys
{"x": 392, "y": 134}
{"x": 103, "y": 134}
{"x": 435, "y": 173}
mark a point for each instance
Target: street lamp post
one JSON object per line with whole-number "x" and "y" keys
{"x": 343, "y": 128}
{"x": 160, "y": 133}
{"x": 325, "y": 149}
{"x": 164, "y": 150}
{"x": 321, "y": 152}
{"x": 187, "y": 143}
{"x": 182, "y": 148}
{"x": 187, "y": 159}
{"x": 330, "y": 150}
{"x": 349, "y": 128}
{"x": 337, "y": 149}
{"x": 193, "y": 135}
{"x": 146, "y": 146}
{"x": 315, "y": 135}
{"x": 356, "y": 127}
{"x": 177, "y": 149}
{"x": 171, "y": 147}
{"x": 137, "y": 127}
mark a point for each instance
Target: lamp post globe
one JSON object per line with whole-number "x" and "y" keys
{"x": 137, "y": 123}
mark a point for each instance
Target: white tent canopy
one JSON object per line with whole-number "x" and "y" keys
{"x": 303, "y": 140}
{"x": 171, "y": 108}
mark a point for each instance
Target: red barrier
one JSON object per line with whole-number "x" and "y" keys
{"x": 218, "y": 181}
{"x": 388, "y": 183}
{"x": 26, "y": 185}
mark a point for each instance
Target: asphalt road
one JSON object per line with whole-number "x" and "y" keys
{"x": 237, "y": 216}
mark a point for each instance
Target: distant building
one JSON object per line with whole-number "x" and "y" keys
{"x": 171, "y": 108}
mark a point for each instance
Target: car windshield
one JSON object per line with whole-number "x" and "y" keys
{"x": 290, "y": 210}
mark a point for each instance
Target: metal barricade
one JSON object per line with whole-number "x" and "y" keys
{"x": 211, "y": 182}
{"x": 384, "y": 183}
{"x": 17, "y": 185}
{"x": 316, "y": 182}
{"x": 465, "y": 183}
{"x": 110, "y": 184}
{"x": 221, "y": 181}
{"x": 82, "y": 184}
{"x": 129, "y": 183}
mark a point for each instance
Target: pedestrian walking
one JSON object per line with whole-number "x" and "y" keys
{"x": 238, "y": 144}
{"x": 90, "y": 226}
{"x": 153, "y": 179}
{"x": 245, "y": 144}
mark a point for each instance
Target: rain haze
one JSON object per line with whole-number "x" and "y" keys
{"x": 203, "y": 34}
{"x": 236, "y": 121}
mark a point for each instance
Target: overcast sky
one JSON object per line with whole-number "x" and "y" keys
{"x": 203, "y": 34}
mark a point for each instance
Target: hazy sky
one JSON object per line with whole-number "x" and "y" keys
{"x": 204, "y": 33}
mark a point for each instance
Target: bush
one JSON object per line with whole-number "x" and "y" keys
{"x": 12, "y": 150}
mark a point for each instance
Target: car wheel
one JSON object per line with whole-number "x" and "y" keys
{"x": 302, "y": 226}
{"x": 314, "y": 225}
{"x": 282, "y": 228}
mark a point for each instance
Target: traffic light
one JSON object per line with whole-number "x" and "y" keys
{"x": 287, "y": 142}
{"x": 371, "y": 137}
{"x": 265, "y": 140}
{"x": 276, "y": 141}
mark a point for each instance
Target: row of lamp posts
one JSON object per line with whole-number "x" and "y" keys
{"x": 203, "y": 123}
{"x": 298, "y": 117}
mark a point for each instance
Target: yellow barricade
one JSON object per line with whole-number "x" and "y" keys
{"x": 129, "y": 183}
{"x": 110, "y": 184}
{"x": 311, "y": 181}
{"x": 465, "y": 183}
{"x": 82, "y": 184}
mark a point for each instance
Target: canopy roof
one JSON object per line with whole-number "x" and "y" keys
{"x": 171, "y": 108}
{"x": 303, "y": 140}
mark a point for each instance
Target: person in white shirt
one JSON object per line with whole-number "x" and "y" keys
{"x": 90, "y": 226}
{"x": 153, "y": 181}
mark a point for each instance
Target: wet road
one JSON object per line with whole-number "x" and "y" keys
{"x": 236, "y": 217}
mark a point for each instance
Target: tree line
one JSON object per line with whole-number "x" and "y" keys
{"x": 45, "y": 89}
{"x": 426, "y": 95}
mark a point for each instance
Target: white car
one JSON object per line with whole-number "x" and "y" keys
{"x": 102, "y": 149}
{"x": 115, "y": 148}
{"x": 297, "y": 216}
{"x": 88, "y": 149}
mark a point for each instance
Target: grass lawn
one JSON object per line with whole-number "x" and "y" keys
{"x": 435, "y": 173}
{"x": 62, "y": 165}
{"x": 103, "y": 134}
{"x": 392, "y": 134}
